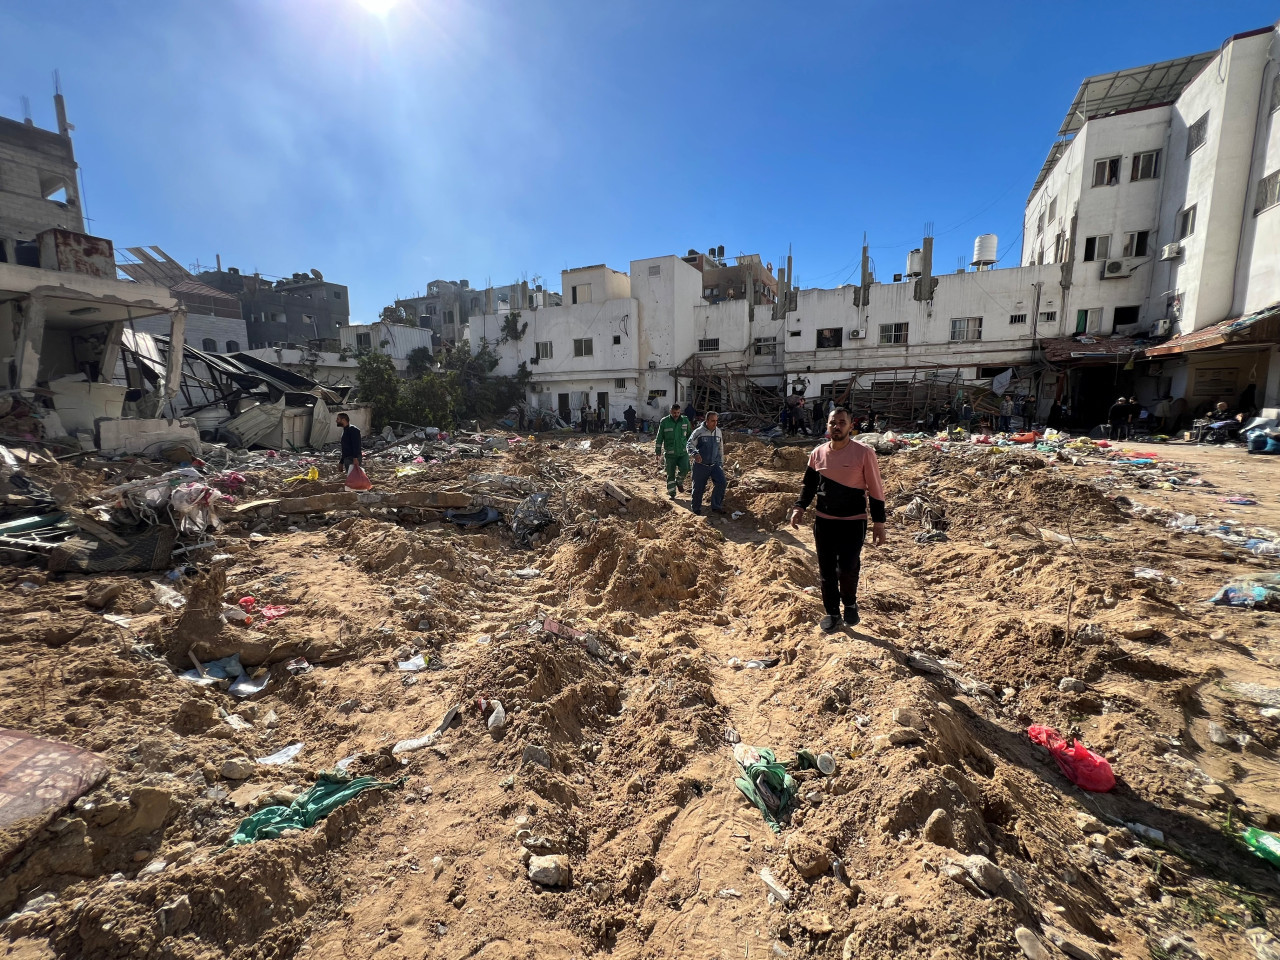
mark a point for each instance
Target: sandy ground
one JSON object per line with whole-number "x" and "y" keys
{"x": 617, "y": 753}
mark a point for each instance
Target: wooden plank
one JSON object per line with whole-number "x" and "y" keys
{"x": 96, "y": 529}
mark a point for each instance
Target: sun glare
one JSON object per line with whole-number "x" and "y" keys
{"x": 379, "y": 8}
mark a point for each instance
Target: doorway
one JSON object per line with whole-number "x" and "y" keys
{"x": 562, "y": 403}
{"x": 602, "y": 404}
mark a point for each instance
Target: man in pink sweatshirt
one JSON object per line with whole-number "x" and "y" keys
{"x": 845, "y": 477}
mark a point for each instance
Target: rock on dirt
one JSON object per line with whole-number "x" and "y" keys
{"x": 1071, "y": 685}
{"x": 1031, "y": 945}
{"x": 237, "y": 768}
{"x": 1219, "y": 735}
{"x": 938, "y": 829}
{"x": 809, "y": 859}
{"x": 174, "y": 916}
{"x": 551, "y": 871}
{"x": 536, "y": 755}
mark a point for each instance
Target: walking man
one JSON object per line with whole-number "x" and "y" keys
{"x": 1006, "y": 414}
{"x": 673, "y": 435}
{"x": 845, "y": 476}
{"x": 350, "y": 451}
{"x": 1117, "y": 417}
{"x": 706, "y": 446}
{"x": 1028, "y": 411}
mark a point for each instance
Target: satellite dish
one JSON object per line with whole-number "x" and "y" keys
{"x": 317, "y": 274}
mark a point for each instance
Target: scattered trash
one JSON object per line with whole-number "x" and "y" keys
{"x": 413, "y": 664}
{"x": 208, "y": 674}
{"x": 357, "y": 479}
{"x": 418, "y": 743}
{"x": 774, "y": 886}
{"x": 1078, "y": 763}
{"x": 1147, "y": 833}
{"x": 528, "y": 573}
{"x": 298, "y": 665}
{"x": 1241, "y": 501}
{"x": 826, "y": 764}
{"x": 166, "y": 596}
{"x": 765, "y": 782}
{"x": 1264, "y": 844}
{"x": 330, "y": 792}
{"x": 1262, "y": 591}
{"x": 281, "y": 756}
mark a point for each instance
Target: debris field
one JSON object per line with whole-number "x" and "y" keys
{"x": 605, "y": 662}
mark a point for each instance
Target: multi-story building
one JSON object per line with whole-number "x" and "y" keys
{"x": 1160, "y": 203}
{"x": 643, "y": 339}
{"x": 449, "y": 305}
{"x": 301, "y": 310}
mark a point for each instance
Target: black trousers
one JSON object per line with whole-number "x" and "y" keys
{"x": 839, "y": 546}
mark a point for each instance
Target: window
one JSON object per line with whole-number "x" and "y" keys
{"x": 711, "y": 291}
{"x": 830, "y": 338}
{"x": 364, "y": 341}
{"x": 617, "y": 339}
{"x": 582, "y": 293}
{"x": 1053, "y": 209}
{"x": 1106, "y": 173}
{"x": 582, "y": 347}
{"x": 1049, "y": 316}
{"x": 795, "y": 333}
{"x": 337, "y": 294}
{"x": 542, "y": 349}
{"x": 966, "y": 328}
{"x": 1124, "y": 316}
{"x": 655, "y": 270}
{"x": 1017, "y": 318}
{"x": 1088, "y": 321}
{"x": 277, "y": 318}
{"x": 475, "y": 303}
{"x": 1186, "y": 223}
{"x": 1146, "y": 166}
{"x": 1197, "y": 133}
{"x": 1040, "y": 223}
{"x": 232, "y": 346}
{"x": 448, "y": 317}
{"x": 765, "y": 346}
{"x": 709, "y": 346}
{"x": 1268, "y": 193}
{"x": 1097, "y": 248}
{"x": 209, "y": 345}
{"x": 619, "y": 383}
{"x": 893, "y": 333}
{"x": 1135, "y": 244}
{"x": 1059, "y": 248}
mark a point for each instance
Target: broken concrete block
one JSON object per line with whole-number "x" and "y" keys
{"x": 237, "y": 768}
{"x": 906, "y": 717}
{"x": 552, "y": 871}
{"x": 174, "y": 916}
{"x": 901, "y": 736}
{"x": 1219, "y": 735}
{"x": 537, "y": 755}
{"x": 1071, "y": 685}
{"x": 1031, "y": 945}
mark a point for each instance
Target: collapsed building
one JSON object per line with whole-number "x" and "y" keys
{"x": 92, "y": 360}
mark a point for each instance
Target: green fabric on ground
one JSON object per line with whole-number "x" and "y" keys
{"x": 330, "y": 792}
{"x": 775, "y": 778}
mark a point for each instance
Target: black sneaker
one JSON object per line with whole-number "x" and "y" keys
{"x": 830, "y": 624}
{"x": 851, "y": 616}
{"x": 671, "y": 496}
{"x": 719, "y": 510}
{"x": 680, "y": 485}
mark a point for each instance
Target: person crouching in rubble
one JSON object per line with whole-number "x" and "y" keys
{"x": 350, "y": 450}
{"x": 845, "y": 475}
{"x": 706, "y": 446}
{"x": 673, "y": 434}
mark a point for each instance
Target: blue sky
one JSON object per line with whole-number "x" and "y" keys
{"x": 499, "y": 140}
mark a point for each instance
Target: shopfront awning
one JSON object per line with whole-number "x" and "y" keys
{"x": 1084, "y": 350}
{"x": 1255, "y": 329}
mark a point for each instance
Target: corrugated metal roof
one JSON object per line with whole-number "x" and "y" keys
{"x": 196, "y": 288}
{"x": 1244, "y": 329}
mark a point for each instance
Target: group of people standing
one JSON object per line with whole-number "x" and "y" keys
{"x": 807, "y": 418}
{"x": 593, "y": 419}
{"x": 1123, "y": 417}
{"x": 842, "y": 475}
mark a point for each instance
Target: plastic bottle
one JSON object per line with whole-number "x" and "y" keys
{"x": 1266, "y": 845}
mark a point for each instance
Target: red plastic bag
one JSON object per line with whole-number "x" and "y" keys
{"x": 357, "y": 479}
{"x": 1029, "y": 437}
{"x": 1081, "y": 765}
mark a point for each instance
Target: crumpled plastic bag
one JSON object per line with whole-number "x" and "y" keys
{"x": 195, "y": 505}
{"x": 357, "y": 479}
{"x": 1077, "y": 762}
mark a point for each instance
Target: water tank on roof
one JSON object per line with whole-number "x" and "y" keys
{"x": 464, "y": 284}
{"x": 915, "y": 263}
{"x": 984, "y": 251}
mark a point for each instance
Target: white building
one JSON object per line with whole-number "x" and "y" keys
{"x": 1160, "y": 201}
{"x": 620, "y": 340}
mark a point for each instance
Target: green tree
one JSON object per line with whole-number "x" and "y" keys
{"x": 431, "y": 400}
{"x": 377, "y": 383}
{"x": 512, "y": 328}
{"x": 483, "y": 396}
{"x": 420, "y": 362}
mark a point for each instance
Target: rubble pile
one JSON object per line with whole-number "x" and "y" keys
{"x": 512, "y": 701}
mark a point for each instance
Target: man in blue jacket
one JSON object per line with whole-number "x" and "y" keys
{"x": 706, "y": 447}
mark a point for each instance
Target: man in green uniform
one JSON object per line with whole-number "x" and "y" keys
{"x": 673, "y": 434}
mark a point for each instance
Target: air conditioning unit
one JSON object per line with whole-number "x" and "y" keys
{"x": 535, "y": 388}
{"x": 653, "y": 364}
{"x": 1171, "y": 251}
{"x": 533, "y": 359}
{"x": 1162, "y": 327}
{"x": 856, "y": 334}
{"x": 1115, "y": 269}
